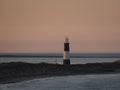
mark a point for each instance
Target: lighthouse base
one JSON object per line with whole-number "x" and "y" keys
{"x": 66, "y": 62}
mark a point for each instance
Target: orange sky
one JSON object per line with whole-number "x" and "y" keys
{"x": 42, "y": 25}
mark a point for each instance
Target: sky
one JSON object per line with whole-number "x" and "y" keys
{"x": 42, "y": 25}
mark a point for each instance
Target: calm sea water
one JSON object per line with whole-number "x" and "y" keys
{"x": 55, "y": 60}
{"x": 78, "y": 82}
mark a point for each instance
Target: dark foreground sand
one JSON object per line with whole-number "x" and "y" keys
{"x": 19, "y": 71}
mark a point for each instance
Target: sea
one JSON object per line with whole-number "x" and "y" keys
{"x": 77, "y": 82}
{"x": 72, "y": 82}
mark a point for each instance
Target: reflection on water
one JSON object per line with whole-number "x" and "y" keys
{"x": 78, "y": 82}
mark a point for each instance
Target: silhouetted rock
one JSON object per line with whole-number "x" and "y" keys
{"x": 18, "y": 71}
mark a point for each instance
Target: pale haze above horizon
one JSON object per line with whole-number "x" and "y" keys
{"x": 43, "y": 25}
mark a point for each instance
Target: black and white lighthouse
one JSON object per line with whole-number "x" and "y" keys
{"x": 66, "y": 54}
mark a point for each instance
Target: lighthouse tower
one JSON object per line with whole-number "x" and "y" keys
{"x": 66, "y": 54}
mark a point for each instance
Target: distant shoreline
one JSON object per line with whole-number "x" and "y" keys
{"x": 19, "y": 71}
{"x": 73, "y": 55}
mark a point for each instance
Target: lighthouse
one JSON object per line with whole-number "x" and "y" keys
{"x": 66, "y": 54}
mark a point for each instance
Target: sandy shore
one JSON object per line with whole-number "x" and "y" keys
{"x": 19, "y": 71}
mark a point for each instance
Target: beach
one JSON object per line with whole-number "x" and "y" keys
{"x": 19, "y": 71}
